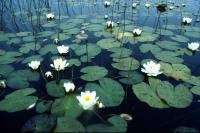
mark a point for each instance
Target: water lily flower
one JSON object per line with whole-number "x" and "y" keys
{"x": 134, "y": 5}
{"x": 56, "y": 41}
{"x": 183, "y": 5}
{"x": 69, "y": 87}
{"x": 2, "y": 84}
{"x": 137, "y": 32}
{"x": 171, "y": 7}
{"x": 50, "y": 16}
{"x": 63, "y": 49}
{"x": 186, "y": 20}
{"x": 59, "y": 64}
{"x": 31, "y": 106}
{"x": 147, "y": 5}
{"x": 106, "y": 4}
{"x": 110, "y": 24}
{"x": 87, "y": 100}
{"x": 48, "y": 74}
{"x": 151, "y": 68}
{"x": 106, "y": 16}
{"x": 34, "y": 65}
{"x": 194, "y": 46}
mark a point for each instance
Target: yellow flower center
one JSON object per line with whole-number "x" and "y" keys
{"x": 87, "y": 98}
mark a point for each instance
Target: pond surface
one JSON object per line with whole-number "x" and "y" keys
{"x": 141, "y": 58}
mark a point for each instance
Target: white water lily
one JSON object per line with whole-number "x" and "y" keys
{"x": 87, "y": 100}
{"x": 134, "y": 5}
{"x": 151, "y": 68}
{"x": 50, "y": 16}
{"x": 34, "y": 65}
{"x": 59, "y": 64}
{"x": 147, "y": 5}
{"x": 69, "y": 87}
{"x": 48, "y": 74}
{"x": 100, "y": 105}
{"x": 126, "y": 117}
{"x": 63, "y": 49}
{"x": 82, "y": 32}
{"x": 186, "y": 20}
{"x": 2, "y": 84}
{"x": 194, "y": 46}
{"x": 137, "y": 32}
{"x": 106, "y": 16}
{"x": 171, "y": 7}
{"x": 110, "y": 24}
{"x": 106, "y": 4}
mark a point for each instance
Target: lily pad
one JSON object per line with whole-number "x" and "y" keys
{"x": 127, "y": 63}
{"x": 93, "y": 73}
{"x": 40, "y": 123}
{"x": 18, "y": 100}
{"x": 110, "y": 92}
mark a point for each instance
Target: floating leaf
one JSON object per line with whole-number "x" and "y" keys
{"x": 93, "y": 73}
{"x": 43, "y": 106}
{"x": 131, "y": 77}
{"x": 68, "y": 106}
{"x": 18, "y": 100}
{"x": 178, "y": 97}
{"x": 148, "y": 93}
{"x": 108, "y": 43}
{"x": 56, "y": 90}
{"x": 127, "y": 63}
{"x": 117, "y": 124}
{"x": 110, "y": 92}
{"x": 40, "y": 123}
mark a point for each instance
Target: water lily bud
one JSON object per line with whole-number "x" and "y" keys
{"x": 50, "y": 16}
{"x": 2, "y": 84}
{"x": 69, "y": 87}
{"x": 126, "y": 117}
{"x": 56, "y": 41}
{"x": 63, "y": 49}
{"x": 106, "y": 16}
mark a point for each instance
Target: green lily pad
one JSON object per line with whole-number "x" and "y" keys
{"x": 20, "y": 79}
{"x": 108, "y": 43}
{"x": 68, "y": 106}
{"x": 5, "y": 70}
{"x": 127, "y": 63}
{"x": 110, "y": 92}
{"x": 40, "y": 123}
{"x": 144, "y": 48}
{"x": 93, "y": 73}
{"x": 18, "y": 100}
{"x": 116, "y": 124}
{"x": 56, "y": 90}
{"x": 148, "y": 93}
{"x": 67, "y": 124}
{"x": 131, "y": 77}
{"x": 178, "y": 97}
{"x": 43, "y": 106}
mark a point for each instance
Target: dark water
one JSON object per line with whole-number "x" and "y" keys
{"x": 15, "y": 13}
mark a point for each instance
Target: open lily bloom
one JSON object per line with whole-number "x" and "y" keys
{"x": 69, "y": 87}
{"x": 87, "y": 100}
{"x": 34, "y": 65}
{"x": 186, "y": 20}
{"x": 63, "y": 49}
{"x": 59, "y": 64}
{"x": 110, "y": 24}
{"x": 137, "y": 32}
{"x": 106, "y": 4}
{"x": 151, "y": 68}
{"x": 50, "y": 16}
{"x": 194, "y": 46}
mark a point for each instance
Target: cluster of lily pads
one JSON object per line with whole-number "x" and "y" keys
{"x": 57, "y": 58}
